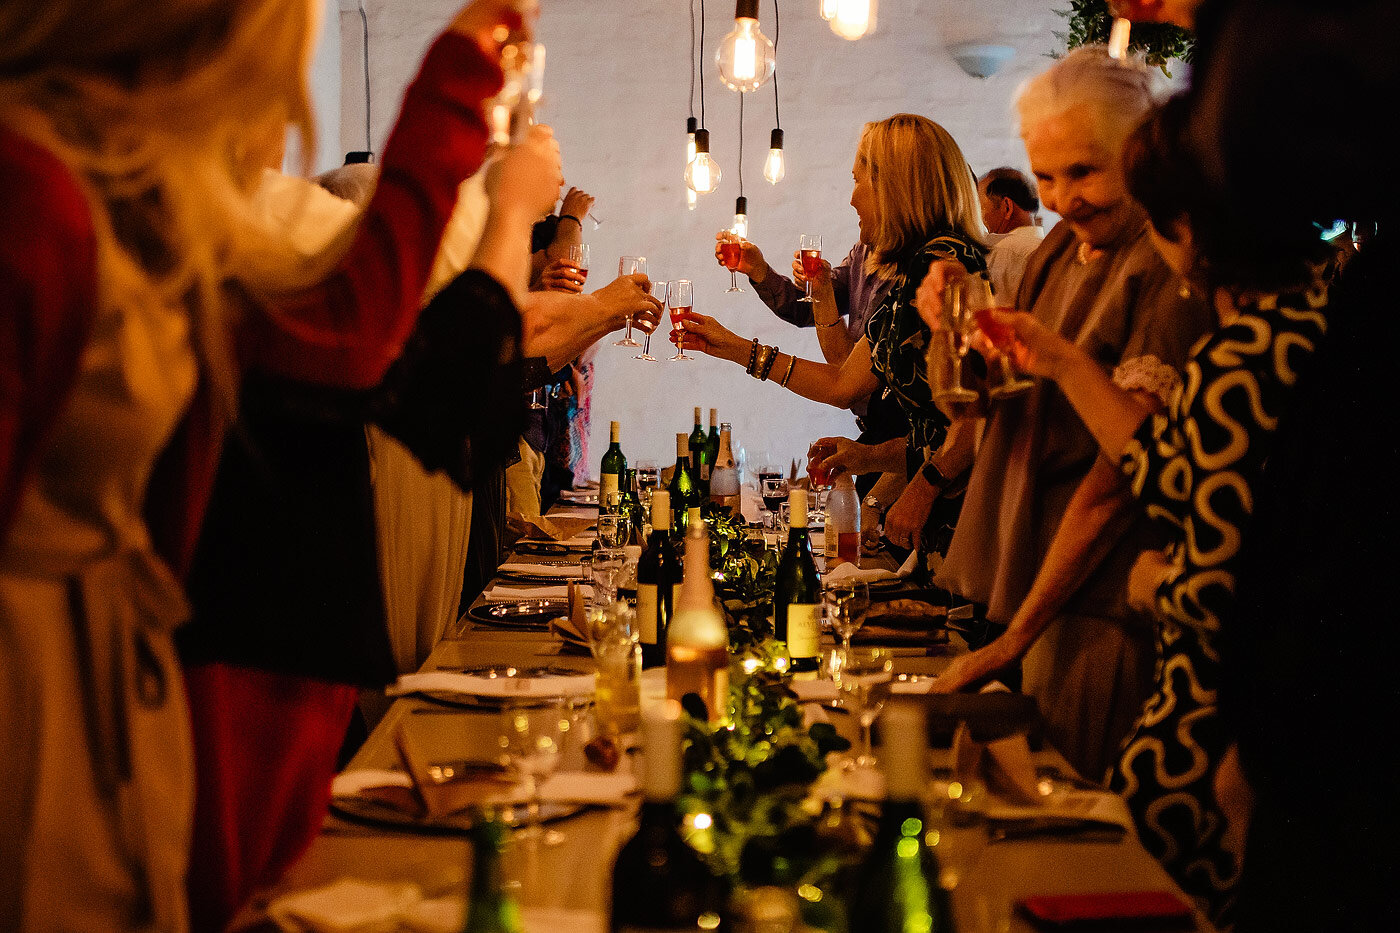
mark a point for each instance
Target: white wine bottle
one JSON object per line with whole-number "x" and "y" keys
{"x": 724, "y": 481}
{"x": 797, "y": 590}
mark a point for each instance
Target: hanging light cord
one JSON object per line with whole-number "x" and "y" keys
{"x": 741, "y": 145}
{"x": 692, "y": 58}
{"x": 702, "y": 59}
{"x": 364, "y": 26}
{"x": 777, "y": 30}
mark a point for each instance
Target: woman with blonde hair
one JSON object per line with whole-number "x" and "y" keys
{"x": 917, "y": 203}
{"x": 137, "y": 284}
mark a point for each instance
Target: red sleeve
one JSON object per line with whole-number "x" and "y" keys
{"x": 346, "y": 330}
{"x": 48, "y": 290}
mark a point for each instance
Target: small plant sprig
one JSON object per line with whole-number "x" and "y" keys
{"x": 1088, "y": 22}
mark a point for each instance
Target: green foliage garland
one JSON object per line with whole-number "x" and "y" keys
{"x": 1089, "y": 23}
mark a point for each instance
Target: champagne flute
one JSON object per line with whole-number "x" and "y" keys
{"x": 658, "y": 291}
{"x": 630, "y": 265}
{"x": 680, "y": 299}
{"x": 578, "y": 258}
{"x": 846, "y": 604}
{"x": 810, "y": 245}
{"x": 957, "y": 326}
{"x": 730, "y": 250}
{"x": 978, "y": 297}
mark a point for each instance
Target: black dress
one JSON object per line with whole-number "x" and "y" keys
{"x": 1196, "y": 466}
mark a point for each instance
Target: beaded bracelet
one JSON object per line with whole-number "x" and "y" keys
{"x": 753, "y": 357}
{"x": 792, "y": 361}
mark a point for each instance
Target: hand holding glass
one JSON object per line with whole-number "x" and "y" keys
{"x": 810, "y": 246}
{"x": 658, "y": 291}
{"x": 731, "y": 248}
{"x": 957, "y": 327}
{"x": 977, "y": 297}
{"x": 680, "y": 299}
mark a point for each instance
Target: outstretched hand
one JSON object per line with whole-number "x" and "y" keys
{"x": 709, "y": 336}
{"x": 751, "y": 261}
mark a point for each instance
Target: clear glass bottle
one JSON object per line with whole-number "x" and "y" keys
{"x": 842, "y": 535}
{"x": 697, "y": 644}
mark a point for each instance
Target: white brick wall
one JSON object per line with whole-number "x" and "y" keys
{"x": 616, "y": 91}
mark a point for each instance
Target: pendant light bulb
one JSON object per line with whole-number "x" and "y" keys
{"x": 745, "y": 56}
{"x": 853, "y": 18}
{"x": 703, "y": 173}
{"x": 740, "y": 227}
{"x": 773, "y": 167}
{"x": 691, "y": 125}
{"x": 828, "y": 9}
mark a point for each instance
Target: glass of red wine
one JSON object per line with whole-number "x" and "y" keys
{"x": 658, "y": 291}
{"x": 730, "y": 250}
{"x": 810, "y": 247}
{"x": 680, "y": 299}
{"x": 630, "y": 265}
{"x": 977, "y": 297}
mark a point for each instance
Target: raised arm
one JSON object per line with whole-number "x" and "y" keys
{"x": 781, "y": 294}
{"x": 841, "y": 386}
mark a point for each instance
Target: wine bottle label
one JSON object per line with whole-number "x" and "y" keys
{"x": 607, "y": 484}
{"x": 704, "y": 472}
{"x": 646, "y": 613}
{"x": 803, "y": 630}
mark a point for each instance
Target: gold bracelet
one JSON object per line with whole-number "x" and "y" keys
{"x": 768, "y": 363}
{"x": 763, "y": 351}
{"x": 792, "y": 361}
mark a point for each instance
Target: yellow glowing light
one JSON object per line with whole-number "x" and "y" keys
{"x": 709, "y": 920}
{"x": 703, "y": 821}
{"x": 744, "y": 65}
{"x": 907, "y": 848}
{"x": 853, "y": 18}
{"x": 931, "y": 838}
{"x": 955, "y": 790}
{"x": 911, "y": 827}
{"x": 810, "y": 892}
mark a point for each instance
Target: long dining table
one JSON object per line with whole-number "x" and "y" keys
{"x": 567, "y": 886}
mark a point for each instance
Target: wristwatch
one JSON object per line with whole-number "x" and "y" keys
{"x": 932, "y": 475}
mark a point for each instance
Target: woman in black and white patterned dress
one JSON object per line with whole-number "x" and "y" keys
{"x": 1193, "y": 465}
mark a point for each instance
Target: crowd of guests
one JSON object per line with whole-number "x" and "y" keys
{"x": 261, "y": 436}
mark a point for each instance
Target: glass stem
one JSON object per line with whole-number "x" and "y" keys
{"x": 629, "y": 327}
{"x": 957, "y": 371}
{"x": 867, "y": 752}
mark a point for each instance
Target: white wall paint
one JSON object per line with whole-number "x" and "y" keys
{"x": 325, "y": 83}
{"x": 617, "y": 88}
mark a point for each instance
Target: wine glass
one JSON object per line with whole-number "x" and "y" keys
{"x": 578, "y": 258}
{"x": 613, "y": 530}
{"x": 730, "y": 249}
{"x": 957, "y": 326}
{"x": 630, "y": 265}
{"x": 863, "y": 677}
{"x": 680, "y": 299}
{"x": 810, "y": 245}
{"x": 773, "y": 487}
{"x": 658, "y": 291}
{"x": 977, "y": 295}
{"x": 535, "y": 403}
{"x": 532, "y": 736}
{"x": 846, "y": 604}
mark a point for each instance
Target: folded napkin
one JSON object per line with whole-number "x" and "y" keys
{"x": 591, "y": 787}
{"x": 1089, "y": 806}
{"x": 558, "y": 527}
{"x": 1003, "y": 764}
{"x": 478, "y": 686}
{"x": 849, "y": 571}
{"x": 559, "y": 515}
{"x": 510, "y": 594}
{"x": 567, "y": 571}
{"x": 814, "y": 691}
{"x": 346, "y": 906}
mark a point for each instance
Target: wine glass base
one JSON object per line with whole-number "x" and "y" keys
{"x": 1010, "y": 389}
{"x": 626, "y": 342}
{"x": 955, "y": 395}
{"x": 733, "y": 289}
{"x": 804, "y": 300}
{"x": 645, "y": 357}
{"x": 680, "y": 356}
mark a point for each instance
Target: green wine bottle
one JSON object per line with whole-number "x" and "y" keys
{"x": 658, "y": 573}
{"x": 490, "y": 907}
{"x": 696, "y": 444}
{"x": 710, "y": 455}
{"x": 685, "y": 491}
{"x": 797, "y": 590}
{"x": 897, "y": 888}
{"x": 614, "y": 466}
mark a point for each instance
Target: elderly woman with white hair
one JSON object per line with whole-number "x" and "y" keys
{"x": 1048, "y": 532}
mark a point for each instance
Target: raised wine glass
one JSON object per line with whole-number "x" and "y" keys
{"x": 730, "y": 250}
{"x": 977, "y": 295}
{"x": 957, "y": 328}
{"x": 630, "y": 265}
{"x": 680, "y": 299}
{"x": 578, "y": 258}
{"x": 658, "y": 291}
{"x": 810, "y": 246}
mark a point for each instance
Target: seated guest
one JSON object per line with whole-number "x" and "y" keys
{"x": 1039, "y": 477}
{"x": 917, "y": 204}
{"x": 1009, "y": 204}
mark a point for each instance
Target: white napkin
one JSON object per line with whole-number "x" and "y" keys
{"x": 477, "y": 686}
{"x": 595, "y": 787}
{"x": 568, "y": 571}
{"x": 510, "y": 594}
{"x": 849, "y": 571}
{"x": 345, "y": 906}
{"x": 589, "y": 514}
{"x": 1066, "y": 802}
{"x": 814, "y": 691}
